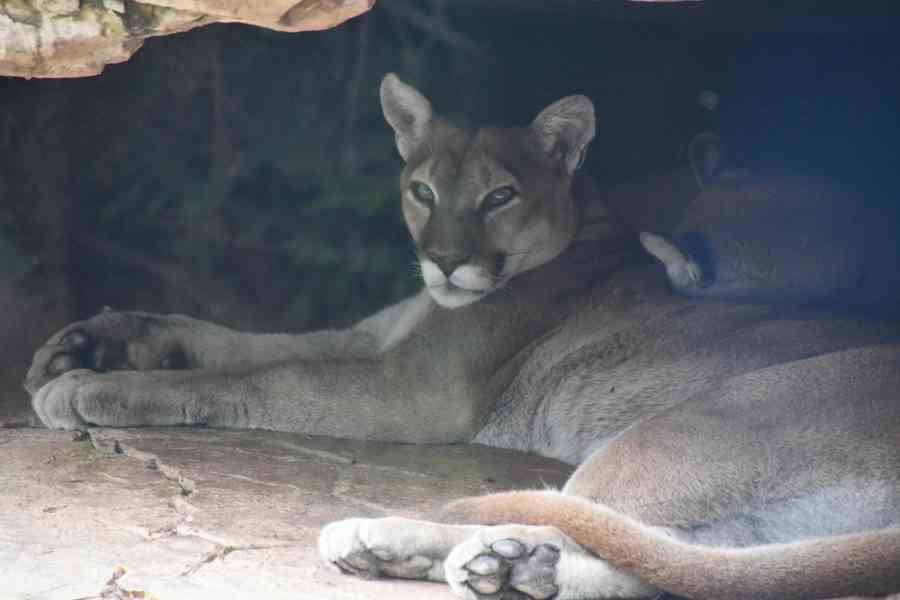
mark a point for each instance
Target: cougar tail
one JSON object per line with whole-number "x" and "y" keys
{"x": 864, "y": 564}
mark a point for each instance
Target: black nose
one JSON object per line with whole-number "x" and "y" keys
{"x": 447, "y": 262}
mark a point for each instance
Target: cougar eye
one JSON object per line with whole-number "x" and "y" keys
{"x": 498, "y": 198}
{"x": 422, "y": 193}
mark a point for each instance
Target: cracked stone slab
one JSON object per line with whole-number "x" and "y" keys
{"x": 210, "y": 514}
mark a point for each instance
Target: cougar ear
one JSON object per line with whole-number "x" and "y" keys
{"x": 407, "y": 111}
{"x": 565, "y": 128}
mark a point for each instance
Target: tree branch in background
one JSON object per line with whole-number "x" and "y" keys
{"x": 349, "y": 151}
{"x": 200, "y": 293}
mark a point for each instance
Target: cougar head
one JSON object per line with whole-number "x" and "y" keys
{"x": 483, "y": 206}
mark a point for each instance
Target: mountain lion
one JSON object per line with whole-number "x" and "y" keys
{"x": 727, "y": 449}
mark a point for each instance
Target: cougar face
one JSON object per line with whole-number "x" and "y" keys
{"x": 484, "y": 206}
{"x": 481, "y": 209}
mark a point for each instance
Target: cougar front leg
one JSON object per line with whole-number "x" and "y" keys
{"x": 387, "y": 398}
{"x": 534, "y": 563}
{"x": 139, "y": 341}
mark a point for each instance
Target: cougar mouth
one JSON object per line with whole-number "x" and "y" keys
{"x": 449, "y": 295}
{"x": 466, "y": 284}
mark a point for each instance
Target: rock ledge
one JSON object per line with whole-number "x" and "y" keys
{"x": 206, "y": 515}
{"x": 78, "y": 38}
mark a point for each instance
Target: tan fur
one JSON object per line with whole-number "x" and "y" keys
{"x": 862, "y": 563}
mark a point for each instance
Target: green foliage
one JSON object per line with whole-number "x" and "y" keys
{"x": 248, "y": 176}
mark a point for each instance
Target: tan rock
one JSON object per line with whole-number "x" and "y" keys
{"x": 68, "y": 38}
{"x": 207, "y": 515}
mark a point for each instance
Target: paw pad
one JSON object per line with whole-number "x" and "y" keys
{"x": 484, "y": 564}
{"x": 383, "y": 554}
{"x": 62, "y": 363}
{"x": 508, "y": 548}
{"x": 486, "y": 584}
{"x": 348, "y": 545}
{"x": 507, "y": 569}
{"x": 76, "y": 339}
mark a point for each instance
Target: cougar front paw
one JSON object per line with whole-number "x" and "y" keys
{"x": 683, "y": 270}
{"x": 507, "y": 562}
{"x": 111, "y": 341}
{"x": 59, "y": 403}
{"x": 82, "y": 398}
{"x": 374, "y": 548}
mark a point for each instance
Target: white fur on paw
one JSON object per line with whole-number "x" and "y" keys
{"x": 363, "y": 547}
{"x": 534, "y": 563}
{"x": 337, "y": 541}
{"x": 693, "y": 271}
{"x": 682, "y": 270}
{"x": 500, "y": 561}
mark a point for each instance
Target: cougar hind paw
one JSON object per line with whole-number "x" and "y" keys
{"x": 490, "y": 565}
{"x": 534, "y": 563}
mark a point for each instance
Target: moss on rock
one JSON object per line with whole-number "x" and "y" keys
{"x": 22, "y": 12}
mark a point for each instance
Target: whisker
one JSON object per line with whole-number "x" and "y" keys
{"x": 506, "y": 290}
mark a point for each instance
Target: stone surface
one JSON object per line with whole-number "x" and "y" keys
{"x": 205, "y": 514}
{"x": 72, "y": 38}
